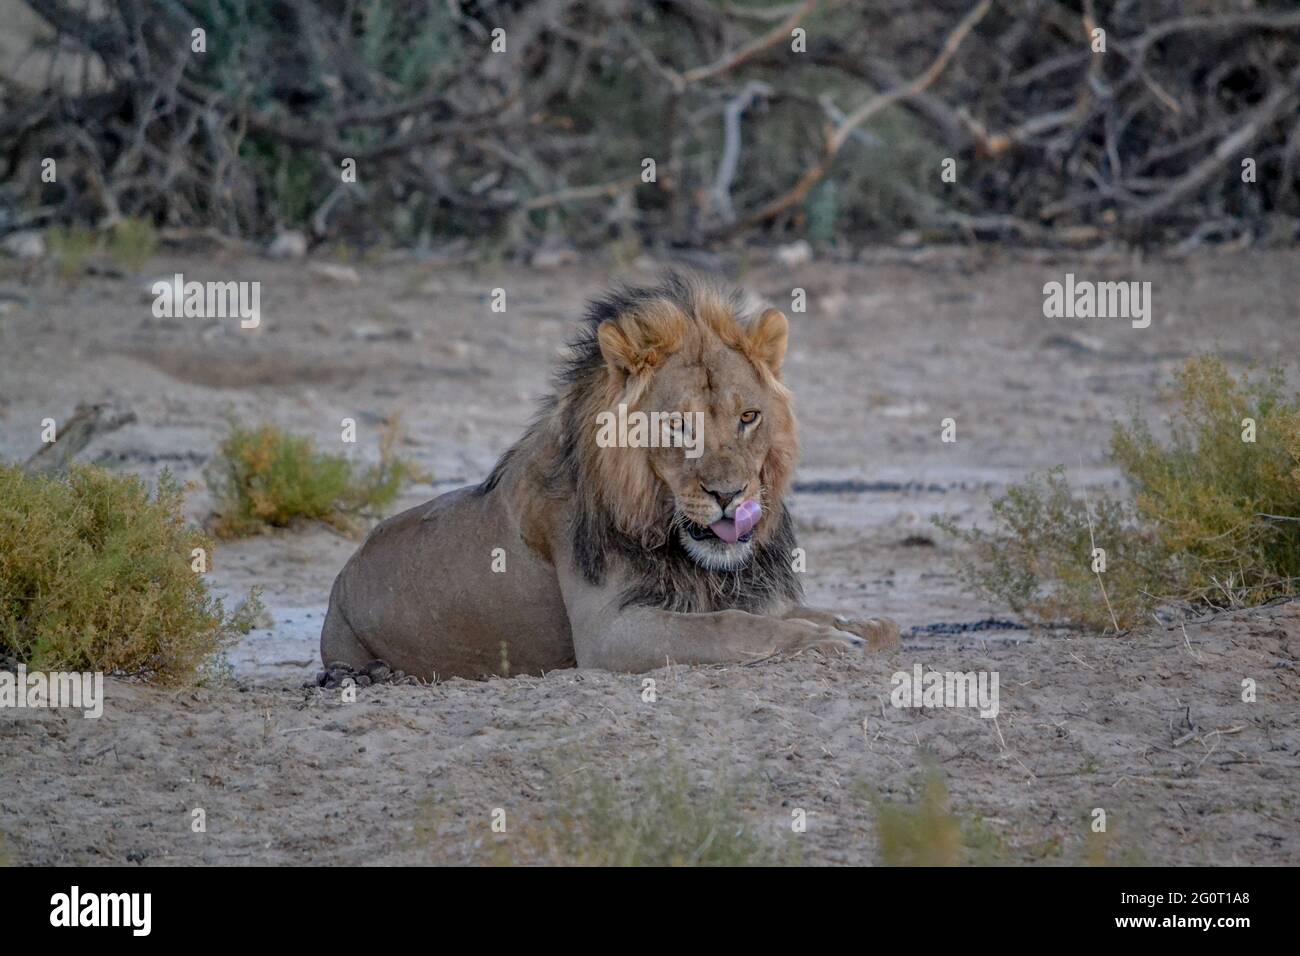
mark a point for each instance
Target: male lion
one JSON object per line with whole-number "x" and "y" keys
{"x": 622, "y": 558}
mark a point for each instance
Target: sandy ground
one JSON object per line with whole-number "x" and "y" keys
{"x": 1150, "y": 727}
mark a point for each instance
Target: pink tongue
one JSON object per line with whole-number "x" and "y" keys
{"x": 732, "y": 530}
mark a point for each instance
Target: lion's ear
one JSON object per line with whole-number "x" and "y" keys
{"x": 768, "y": 337}
{"x": 616, "y": 348}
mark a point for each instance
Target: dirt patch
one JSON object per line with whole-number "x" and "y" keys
{"x": 1152, "y": 729}
{"x": 213, "y": 369}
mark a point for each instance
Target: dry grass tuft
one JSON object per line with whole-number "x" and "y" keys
{"x": 1213, "y": 520}
{"x": 265, "y": 477}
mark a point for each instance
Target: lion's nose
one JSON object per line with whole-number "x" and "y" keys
{"x": 724, "y": 498}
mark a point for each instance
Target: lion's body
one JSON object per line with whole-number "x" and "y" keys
{"x": 570, "y": 553}
{"x": 415, "y": 600}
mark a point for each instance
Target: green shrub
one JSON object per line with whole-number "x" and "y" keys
{"x": 1226, "y": 511}
{"x": 1109, "y": 848}
{"x": 128, "y": 244}
{"x": 131, "y": 242}
{"x": 658, "y": 818}
{"x": 1212, "y": 520}
{"x": 95, "y": 575}
{"x": 928, "y": 833}
{"x": 1039, "y": 560}
{"x": 72, "y": 247}
{"x": 266, "y": 477}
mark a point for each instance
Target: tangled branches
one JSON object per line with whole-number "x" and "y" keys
{"x": 530, "y": 120}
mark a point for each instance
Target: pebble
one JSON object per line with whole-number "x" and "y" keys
{"x": 333, "y": 272}
{"x": 796, "y": 253}
{"x": 290, "y": 244}
{"x": 28, "y": 244}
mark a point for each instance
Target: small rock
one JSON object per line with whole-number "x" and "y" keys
{"x": 334, "y": 674}
{"x": 28, "y": 244}
{"x": 376, "y": 332}
{"x": 553, "y": 258}
{"x": 794, "y": 254}
{"x": 907, "y": 410}
{"x": 333, "y": 272}
{"x": 1075, "y": 342}
{"x": 367, "y": 331}
{"x": 289, "y": 244}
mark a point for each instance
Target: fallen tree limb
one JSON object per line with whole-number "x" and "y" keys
{"x": 839, "y": 135}
{"x": 750, "y": 50}
{"x": 1279, "y": 102}
{"x": 86, "y": 424}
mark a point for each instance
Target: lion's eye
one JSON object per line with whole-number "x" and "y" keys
{"x": 750, "y": 417}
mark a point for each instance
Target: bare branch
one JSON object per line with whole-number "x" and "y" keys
{"x": 1278, "y": 103}
{"x": 839, "y": 135}
{"x": 751, "y": 50}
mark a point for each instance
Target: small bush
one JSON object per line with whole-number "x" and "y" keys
{"x": 1108, "y": 848}
{"x": 266, "y": 477}
{"x": 131, "y": 242}
{"x": 928, "y": 833}
{"x": 1224, "y": 510}
{"x": 1039, "y": 560}
{"x": 1213, "y": 520}
{"x": 95, "y": 575}
{"x": 72, "y": 248}
{"x": 660, "y": 818}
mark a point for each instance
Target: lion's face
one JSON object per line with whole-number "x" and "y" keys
{"x": 731, "y": 420}
{"x": 733, "y": 443}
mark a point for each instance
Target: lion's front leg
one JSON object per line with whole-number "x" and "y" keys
{"x": 642, "y": 639}
{"x": 880, "y": 633}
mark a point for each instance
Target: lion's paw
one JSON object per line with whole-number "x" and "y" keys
{"x": 879, "y": 633}
{"x": 832, "y": 639}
